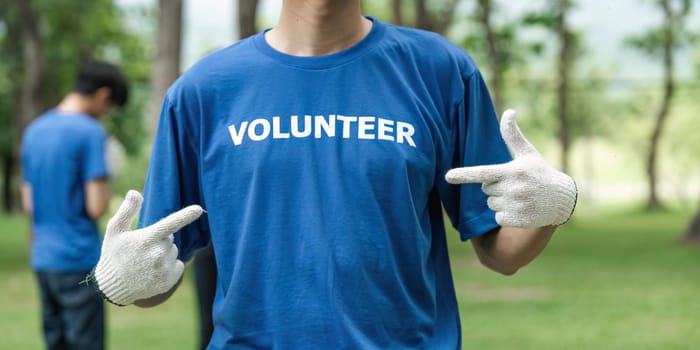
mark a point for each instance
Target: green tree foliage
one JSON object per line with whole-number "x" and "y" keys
{"x": 432, "y": 15}
{"x": 652, "y": 41}
{"x": 555, "y": 18}
{"x": 75, "y": 31}
{"x": 497, "y": 45}
{"x": 72, "y": 32}
{"x": 5, "y": 105}
{"x": 663, "y": 43}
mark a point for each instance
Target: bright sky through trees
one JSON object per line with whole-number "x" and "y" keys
{"x": 209, "y": 25}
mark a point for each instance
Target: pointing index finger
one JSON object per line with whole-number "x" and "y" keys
{"x": 175, "y": 221}
{"x": 476, "y": 174}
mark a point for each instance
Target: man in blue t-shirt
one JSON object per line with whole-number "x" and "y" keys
{"x": 64, "y": 191}
{"x": 324, "y": 151}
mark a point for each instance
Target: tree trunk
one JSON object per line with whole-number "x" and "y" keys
{"x": 247, "y": 14}
{"x": 653, "y": 202}
{"x": 439, "y": 22}
{"x": 422, "y": 16}
{"x": 564, "y": 68}
{"x": 396, "y": 12}
{"x": 692, "y": 233}
{"x": 29, "y": 94}
{"x": 166, "y": 63}
{"x": 32, "y": 101}
{"x": 493, "y": 53}
{"x": 9, "y": 198}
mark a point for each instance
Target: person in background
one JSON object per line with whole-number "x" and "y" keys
{"x": 324, "y": 151}
{"x": 65, "y": 191}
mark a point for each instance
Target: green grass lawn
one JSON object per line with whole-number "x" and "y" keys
{"x": 610, "y": 279}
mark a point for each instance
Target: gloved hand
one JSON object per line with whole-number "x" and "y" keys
{"x": 525, "y": 192}
{"x": 142, "y": 263}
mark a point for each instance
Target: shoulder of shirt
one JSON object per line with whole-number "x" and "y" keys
{"x": 429, "y": 46}
{"x": 81, "y": 123}
{"x": 217, "y": 63}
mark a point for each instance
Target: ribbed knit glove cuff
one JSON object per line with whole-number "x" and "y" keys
{"x": 111, "y": 289}
{"x": 564, "y": 200}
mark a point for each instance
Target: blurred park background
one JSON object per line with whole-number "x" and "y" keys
{"x": 607, "y": 90}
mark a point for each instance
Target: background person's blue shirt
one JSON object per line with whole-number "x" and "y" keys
{"x": 61, "y": 152}
{"x": 323, "y": 181}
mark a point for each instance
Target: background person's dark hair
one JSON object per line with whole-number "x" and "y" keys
{"x": 94, "y": 75}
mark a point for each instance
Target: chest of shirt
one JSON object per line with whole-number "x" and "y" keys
{"x": 327, "y": 120}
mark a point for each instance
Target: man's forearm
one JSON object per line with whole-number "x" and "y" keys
{"x": 26, "y": 198}
{"x": 507, "y": 249}
{"x": 97, "y": 195}
{"x": 529, "y": 197}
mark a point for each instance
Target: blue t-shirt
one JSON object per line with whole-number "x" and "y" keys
{"x": 61, "y": 152}
{"x": 323, "y": 180}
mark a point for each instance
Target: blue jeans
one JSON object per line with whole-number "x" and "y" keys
{"x": 73, "y": 312}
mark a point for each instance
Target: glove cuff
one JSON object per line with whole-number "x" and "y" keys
{"x": 104, "y": 279}
{"x": 565, "y": 198}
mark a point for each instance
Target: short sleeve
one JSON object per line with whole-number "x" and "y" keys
{"x": 172, "y": 181}
{"x": 94, "y": 162}
{"x": 476, "y": 141}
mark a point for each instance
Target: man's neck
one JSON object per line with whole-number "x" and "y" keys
{"x": 74, "y": 103}
{"x": 318, "y": 27}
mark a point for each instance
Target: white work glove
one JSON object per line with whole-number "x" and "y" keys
{"x": 142, "y": 263}
{"x": 525, "y": 192}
